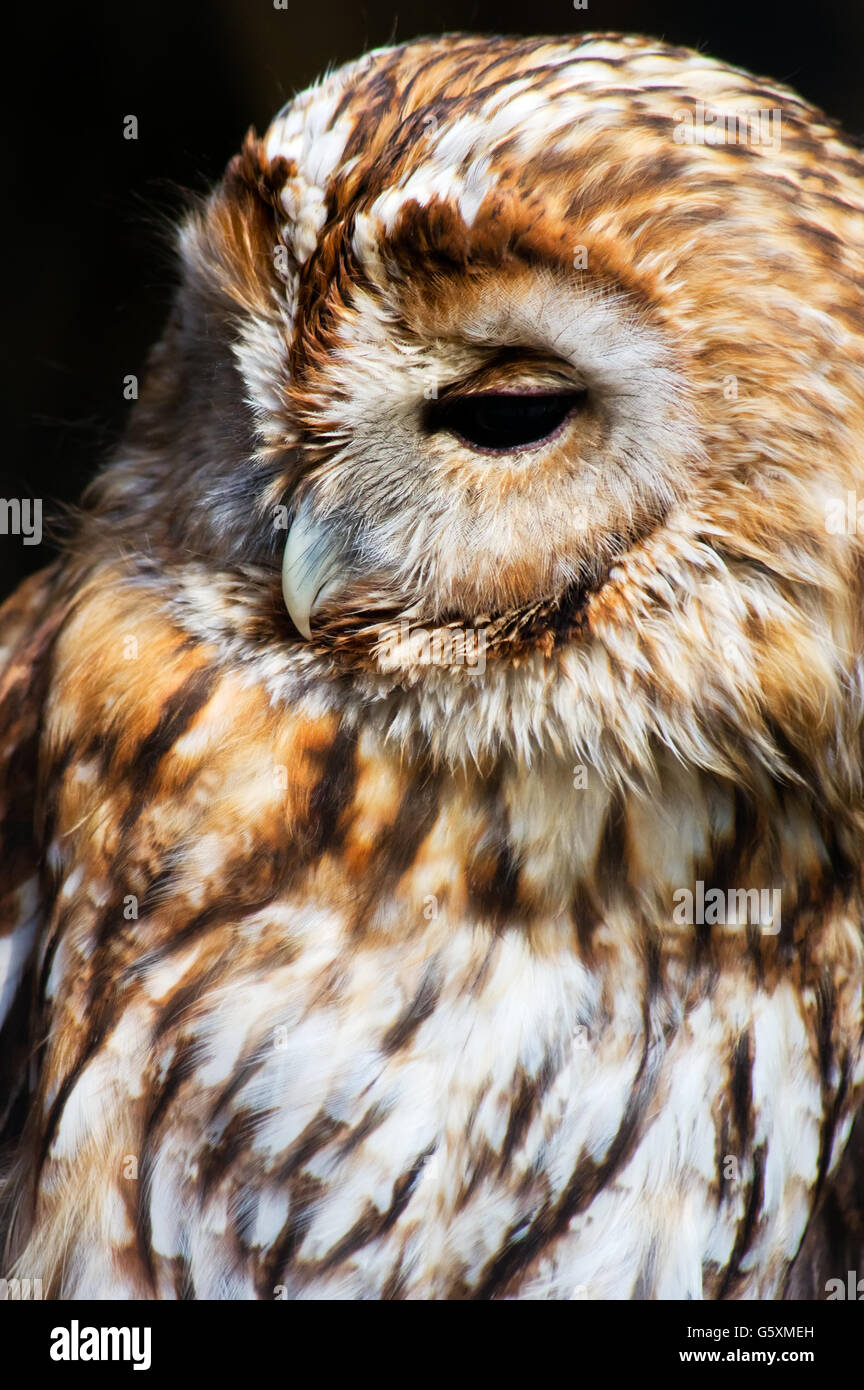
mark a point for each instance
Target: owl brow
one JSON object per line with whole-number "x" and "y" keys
{"x": 510, "y": 359}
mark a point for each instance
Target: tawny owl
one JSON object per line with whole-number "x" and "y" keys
{"x": 432, "y": 794}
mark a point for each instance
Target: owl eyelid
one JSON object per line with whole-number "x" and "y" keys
{"x": 503, "y": 421}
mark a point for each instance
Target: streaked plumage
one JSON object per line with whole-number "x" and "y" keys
{"x": 328, "y": 970}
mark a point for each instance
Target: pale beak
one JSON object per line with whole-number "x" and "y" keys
{"x": 310, "y": 570}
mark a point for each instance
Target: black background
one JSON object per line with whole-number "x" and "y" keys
{"x": 88, "y": 269}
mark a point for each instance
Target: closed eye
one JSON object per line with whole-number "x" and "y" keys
{"x": 503, "y": 421}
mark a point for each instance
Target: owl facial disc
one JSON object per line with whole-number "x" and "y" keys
{"x": 310, "y": 570}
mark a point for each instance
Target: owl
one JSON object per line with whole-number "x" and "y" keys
{"x": 431, "y": 797}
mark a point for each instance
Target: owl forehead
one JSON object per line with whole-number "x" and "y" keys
{"x": 455, "y": 120}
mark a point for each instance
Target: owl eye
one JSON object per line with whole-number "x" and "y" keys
{"x": 500, "y": 422}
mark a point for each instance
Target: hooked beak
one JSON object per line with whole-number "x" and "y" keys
{"x": 310, "y": 570}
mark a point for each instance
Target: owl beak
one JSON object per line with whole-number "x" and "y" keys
{"x": 310, "y": 570}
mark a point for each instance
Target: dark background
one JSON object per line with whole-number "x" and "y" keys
{"x": 88, "y": 270}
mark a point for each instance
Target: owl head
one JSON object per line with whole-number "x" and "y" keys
{"x": 560, "y": 342}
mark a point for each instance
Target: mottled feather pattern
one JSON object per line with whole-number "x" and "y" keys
{"x": 329, "y": 970}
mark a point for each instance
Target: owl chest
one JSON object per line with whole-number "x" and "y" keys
{"x": 445, "y": 1040}
{"x": 485, "y": 1121}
